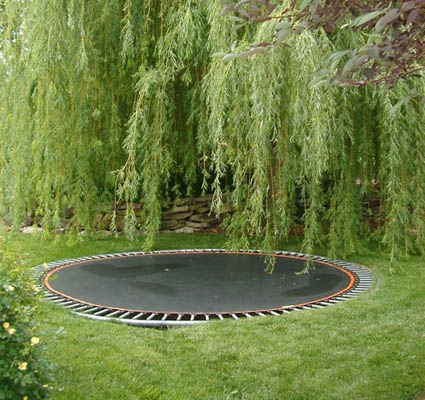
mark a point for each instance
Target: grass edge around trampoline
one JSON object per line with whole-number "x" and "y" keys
{"x": 370, "y": 347}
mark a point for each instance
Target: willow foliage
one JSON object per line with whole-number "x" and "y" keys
{"x": 133, "y": 101}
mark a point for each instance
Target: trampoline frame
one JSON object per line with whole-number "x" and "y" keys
{"x": 360, "y": 280}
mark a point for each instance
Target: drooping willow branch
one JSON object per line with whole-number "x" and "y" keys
{"x": 119, "y": 100}
{"x": 395, "y": 43}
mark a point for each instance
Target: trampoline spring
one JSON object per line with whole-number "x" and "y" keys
{"x": 340, "y": 263}
{"x": 125, "y": 315}
{"x": 274, "y": 312}
{"x": 61, "y": 262}
{"x": 152, "y": 316}
{"x": 58, "y": 300}
{"x": 68, "y": 304}
{"x": 114, "y": 313}
{"x": 207, "y": 317}
{"x": 102, "y": 311}
{"x": 73, "y": 305}
{"x": 220, "y": 317}
{"x": 179, "y": 317}
{"x": 51, "y": 296}
{"x": 138, "y": 316}
{"x": 345, "y": 296}
{"x": 81, "y": 308}
{"x": 342, "y": 297}
{"x": 115, "y": 255}
{"x": 366, "y": 281}
{"x": 95, "y": 309}
{"x": 248, "y": 315}
{"x": 357, "y": 290}
{"x": 234, "y": 316}
{"x": 261, "y": 314}
{"x": 164, "y": 317}
{"x": 90, "y": 310}
{"x": 50, "y": 265}
{"x": 359, "y": 272}
{"x": 61, "y": 303}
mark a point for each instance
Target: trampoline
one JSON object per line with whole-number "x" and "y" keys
{"x": 185, "y": 287}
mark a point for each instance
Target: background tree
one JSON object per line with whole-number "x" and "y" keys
{"x": 123, "y": 100}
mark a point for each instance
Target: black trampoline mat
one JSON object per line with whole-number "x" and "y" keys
{"x": 191, "y": 282}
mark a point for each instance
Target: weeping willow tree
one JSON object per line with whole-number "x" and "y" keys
{"x": 133, "y": 101}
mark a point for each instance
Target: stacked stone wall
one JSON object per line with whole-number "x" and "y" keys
{"x": 183, "y": 215}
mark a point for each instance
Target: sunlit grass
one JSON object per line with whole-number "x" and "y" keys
{"x": 368, "y": 348}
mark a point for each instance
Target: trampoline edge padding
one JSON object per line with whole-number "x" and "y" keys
{"x": 133, "y": 275}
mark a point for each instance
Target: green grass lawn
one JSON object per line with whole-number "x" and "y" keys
{"x": 372, "y": 347}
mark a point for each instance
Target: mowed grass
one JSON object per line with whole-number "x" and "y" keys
{"x": 372, "y": 347}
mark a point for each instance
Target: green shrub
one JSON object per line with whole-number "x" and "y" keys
{"x": 23, "y": 373}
